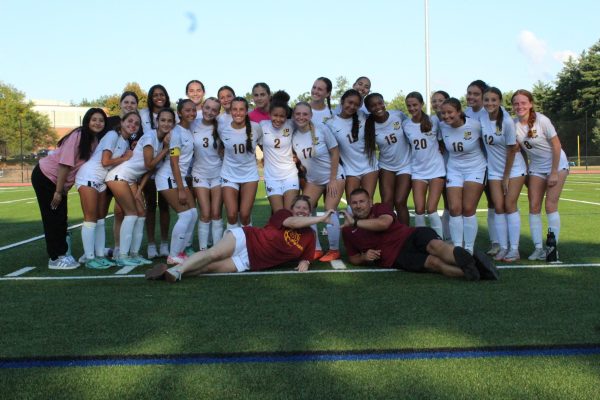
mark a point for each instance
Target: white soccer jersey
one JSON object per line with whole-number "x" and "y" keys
{"x": 319, "y": 117}
{"x": 207, "y": 162}
{"x": 224, "y": 119}
{"x": 315, "y": 156}
{"x": 426, "y": 160}
{"x": 133, "y": 169}
{"x": 538, "y": 147}
{"x": 352, "y": 152}
{"x": 394, "y": 149}
{"x": 464, "y": 147}
{"x": 145, "y": 116}
{"x": 476, "y": 115}
{"x": 239, "y": 164}
{"x": 496, "y": 142}
{"x": 277, "y": 149}
{"x": 93, "y": 170}
{"x": 183, "y": 140}
{"x": 363, "y": 108}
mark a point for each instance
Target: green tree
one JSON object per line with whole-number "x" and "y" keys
{"x": 19, "y": 121}
{"x": 397, "y": 103}
{"x": 111, "y": 102}
{"x": 340, "y": 86}
{"x": 301, "y": 97}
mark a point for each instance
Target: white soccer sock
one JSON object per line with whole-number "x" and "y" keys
{"x": 535, "y": 227}
{"x": 189, "y": 233}
{"x": 456, "y": 230}
{"x": 554, "y": 223}
{"x": 501, "y": 230}
{"x": 470, "y": 232}
{"x": 100, "y": 239}
{"x": 203, "y": 230}
{"x": 216, "y": 230}
{"x": 138, "y": 235}
{"x": 318, "y": 242}
{"x": 126, "y": 234}
{"x": 435, "y": 222}
{"x": 179, "y": 233}
{"x": 420, "y": 220}
{"x": 513, "y": 221}
{"x": 88, "y": 232}
{"x": 491, "y": 216}
{"x": 333, "y": 232}
{"x": 446, "y": 224}
{"x": 231, "y": 226}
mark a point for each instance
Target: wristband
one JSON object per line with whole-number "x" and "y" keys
{"x": 355, "y": 224}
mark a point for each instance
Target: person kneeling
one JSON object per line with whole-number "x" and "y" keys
{"x": 373, "y": 235}
{"x": 286, "y": 237}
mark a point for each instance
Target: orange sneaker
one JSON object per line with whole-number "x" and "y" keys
{"x": 318, "y": 254}
{"x": 330, "y": 256}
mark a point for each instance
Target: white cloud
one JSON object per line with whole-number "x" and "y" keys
{"x": 563, "y": 56}
{"x": 532, "y": 47}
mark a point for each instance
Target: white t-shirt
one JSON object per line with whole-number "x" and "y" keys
{"x": 538, "y": 147}
{"x": 277, "y": 149}
{"x": 426, "y": 160}
{"x": 394, "y": 149}
{"x": 315, "y": 156}
{"x": 352, "y": 152}
{"x": 463, "y": 144}
{"x": 239, "y": 164}
{"x": 496, "y": 142}
{"x": 133, "y": 169}
{"x": 182, "y": 139}
{"x": 207, "y": 162}
{"x": 93, "y": 170}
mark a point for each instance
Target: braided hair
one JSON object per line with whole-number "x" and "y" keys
{"x": 425, "y": 121}
{"x": 247, "y": 123}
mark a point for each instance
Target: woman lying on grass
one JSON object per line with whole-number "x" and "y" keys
{"x": 286, "y": 237}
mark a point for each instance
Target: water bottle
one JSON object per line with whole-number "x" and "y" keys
{"x": 551, "y": 253}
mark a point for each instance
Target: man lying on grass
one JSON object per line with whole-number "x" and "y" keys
{"x": 286, "y": 237}
{"x": 373, "y": 235}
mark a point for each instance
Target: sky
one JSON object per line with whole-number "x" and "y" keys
{"x": 70, "y": 50}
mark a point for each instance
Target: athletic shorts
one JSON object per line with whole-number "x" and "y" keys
{"x": 428, "y": 181}
{"x": 207, "y": 183}
{"x": 240, "y": 254}
{"x": 494, "y": 177}
{"x": 233, "y": 185}
{"x": 277, "y": 187}
{"x": 544, "y": 175}
{"x": 115, "y": 177}
{"x": 99, "y": 186}
{"x": 413, "y": 255}
{"x": 164, "y": 183}
{"x": 457, "y": 179}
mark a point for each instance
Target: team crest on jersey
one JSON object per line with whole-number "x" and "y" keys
{"x": 430, "y": 133}
{"x": 533, "y": 133}
{"x": 292, "y": 238}
{"x": 498, "y": 131}
{"x": 468, "y": 135}
{"x": 396, "y": 125}
{"x": 285, "y": 132}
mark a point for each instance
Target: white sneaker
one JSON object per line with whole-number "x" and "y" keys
{"x": 152, "y": 253}
{"x": 538, "y": 255}
{"x": 63, "y": 263}
{"x": 175, "y": 260}
{"x": 512, "y": 255}
{"x": 494, "y": 249}
{"x": 164, "y": 249}
{"x": 501, "y": 254}
{"x": 82, "y": 259}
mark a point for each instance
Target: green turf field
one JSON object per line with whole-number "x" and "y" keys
{"x": 286, "y": 315}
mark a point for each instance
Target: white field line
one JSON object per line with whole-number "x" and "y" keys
{"x": 33, "y": 239}
{"x": 21, "y": 271}
{"x": 334, "y": 271}
{"x": 581, "y": 201}
{"x": 569, "y": 182}
{"x": 126, "y": 270}
{"x": 25, "y": 199}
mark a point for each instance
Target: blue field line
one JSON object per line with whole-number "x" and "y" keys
{"x": 302, "y": 357}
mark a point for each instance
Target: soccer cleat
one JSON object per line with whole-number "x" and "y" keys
{"x": 500, "y": 255}
{"x": 141, "y": 260}
{"x": 494, "y": 249}
{"x": 189, "y": 251}
{"x": 318, "y": 254}
{"x": 175, "y": 260}
{"x": 157, "y": 272}
{"x": 486, "y": 267}
{"x": 330, "y": 256}
{"x": 466, "y": 262}
{"x": 126, "y": 262}
{"x": 106, "y": 262}
{"x": 164, "y": 249}
{"x": 538, "y": 254}
{"x": 152, "y": 253}
{"x": 512, "y": 256}
{"x": 63, "y": 263}
{"x": 172, "y": 275}
{"x": 96, "y": 264}
{"x": 82, "y": 259}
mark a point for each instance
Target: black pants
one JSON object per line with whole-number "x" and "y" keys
{"x": 54, "y": 221}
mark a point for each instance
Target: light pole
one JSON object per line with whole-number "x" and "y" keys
{"x": 427, "y": 89}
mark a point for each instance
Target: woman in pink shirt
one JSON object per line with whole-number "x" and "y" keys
{"x": 261, "y": 94}
{"x": 55, "y": 175}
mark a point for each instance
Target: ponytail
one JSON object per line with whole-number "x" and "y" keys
{"x": 313, "y": 138}
{"x": 530, "y": 122}
{"x": 248, "y": 135}
{"x": 370, "y": 138}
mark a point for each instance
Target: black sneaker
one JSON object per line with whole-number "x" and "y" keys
{"x": 466, "y": 262}
{"x": 485, "y": 265}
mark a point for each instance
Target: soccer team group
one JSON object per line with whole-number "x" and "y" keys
{"x": 202, "y": 156}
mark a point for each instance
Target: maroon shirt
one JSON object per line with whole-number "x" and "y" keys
{"x": 390, "y": 242}
{"x": 275, "y": 244}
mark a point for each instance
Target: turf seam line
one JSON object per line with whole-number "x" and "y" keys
{"x": 305, "y": 356}
{"x": 19, "y": 272}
